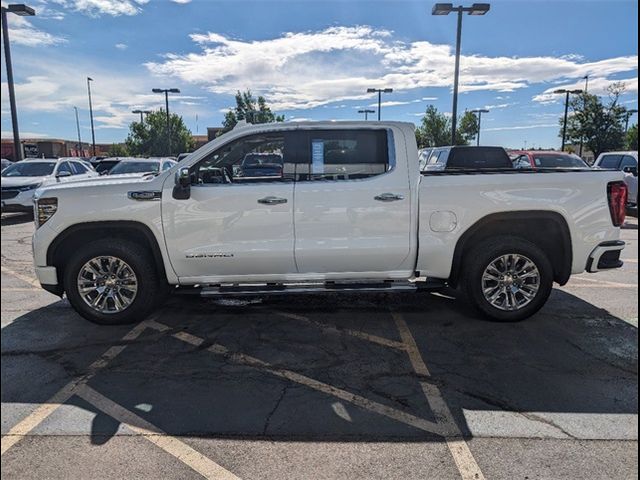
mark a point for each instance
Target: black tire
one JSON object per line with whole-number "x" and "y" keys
{"x": 150, "y": 288}
{"x": 480, "y": 256}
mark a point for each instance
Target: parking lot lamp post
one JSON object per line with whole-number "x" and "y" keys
{"x": 21, "y": 10}
{"x": 446, "y": 9}
{"x": 166, "y": 92}
{"x": 626, "y": 120}
{"x": 93, "y": 132}
{"x": 566, "y": 112}
{"x": 479, "y": 111}
{"x": 379, "y": 91}
{"x": 78, "y": 128}
{"x": 366, "y": 112}
{"x": 141, "y": 112}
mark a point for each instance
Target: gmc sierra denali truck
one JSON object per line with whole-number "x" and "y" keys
{"x": 348, "y": 210}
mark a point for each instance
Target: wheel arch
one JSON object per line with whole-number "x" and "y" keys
{"x": 548, "y": 230}
{"x": 76, "y": 235}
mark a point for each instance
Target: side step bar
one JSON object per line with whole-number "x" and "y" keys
{"x": 293, "y": 288}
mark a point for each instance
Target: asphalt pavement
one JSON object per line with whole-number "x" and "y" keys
{"x": 321, "y": 386}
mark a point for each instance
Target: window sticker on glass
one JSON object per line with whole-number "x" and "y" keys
{"x": 317, "y": 156}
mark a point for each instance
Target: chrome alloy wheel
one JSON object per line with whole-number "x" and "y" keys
{"x": 510, "y": 282}
{"x": 107, "y": 284}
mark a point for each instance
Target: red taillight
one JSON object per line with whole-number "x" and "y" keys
{"x": 617, "y": 193}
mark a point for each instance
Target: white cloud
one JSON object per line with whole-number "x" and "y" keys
{"x": 520, "y": 127}
{"x": 181, "y": 2}
{"x": 308, "y": 69}
{"x": 597, "y": 86}
{"x": 394, "y": 103}
{"x": 23, "y": 135}
{"x": 22, "y": 32}
{"x": 121, "y": 46}
{"x": 97, "y": 8}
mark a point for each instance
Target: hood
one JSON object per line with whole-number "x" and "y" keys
{"x": 8, "y": 182}
{"x": 105, "y": 181}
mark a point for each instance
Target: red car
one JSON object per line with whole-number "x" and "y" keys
{"x": 545, "y": 159}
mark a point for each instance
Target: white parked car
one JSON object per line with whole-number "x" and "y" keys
{"x": 350, "y": 212}
{"x": 21, "y": 179}
{"x": 626, "y": 162}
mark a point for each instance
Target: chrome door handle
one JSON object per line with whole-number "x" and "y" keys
{"x": 388, "y": 197}
{"x": 272, "y": 200}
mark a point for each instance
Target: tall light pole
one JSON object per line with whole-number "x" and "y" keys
{"x": 166, "y": 92}
{"x": 446, "y": 9}
{"x": 141, "y": 112}
{"x": 586, "y": 89}
{"x": 93, "y": 132}
{"x": 380, "y": 91}
{"x": 479, "y": 111}
{"x": 366, "y": 112}
{"x": 626, "y": 121}
{"x": 78, "y": 128}
{"x": 566, "y": 111}
{"x": 23, "y": 11}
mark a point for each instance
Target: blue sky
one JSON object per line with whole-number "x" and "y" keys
{"x": 313, "y": 60}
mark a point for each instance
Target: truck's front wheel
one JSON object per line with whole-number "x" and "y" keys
{"x": 508, "y": 278}
{"x": 112, "y": 282}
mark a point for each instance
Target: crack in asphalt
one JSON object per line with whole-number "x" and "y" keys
{"x": 275, "y": 407}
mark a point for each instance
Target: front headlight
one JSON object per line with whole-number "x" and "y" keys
{"x": 26, "y": 188}
{"x": 45, "y": 208}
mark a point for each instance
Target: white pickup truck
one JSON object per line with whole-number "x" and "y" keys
{"x": 347, "y": 210}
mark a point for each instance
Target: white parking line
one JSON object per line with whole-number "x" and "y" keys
{"x": 462, "y": 456}
{"x": 606, "y": 282}
{"x": 20, "y": 276}
{"x": 183, "y": 452}
{"x": 357, "y": 400}
{"x": 35, "y": 418}
{"x": 355, "y": 333}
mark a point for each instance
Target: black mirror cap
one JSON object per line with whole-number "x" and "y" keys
{"x": 631, "y": 170}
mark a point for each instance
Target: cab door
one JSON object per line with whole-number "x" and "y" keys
{"x": 353, "y": 206}
{"x": 234, "y": 226}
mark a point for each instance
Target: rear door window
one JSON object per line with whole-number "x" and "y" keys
{"x": 343, "y": 155}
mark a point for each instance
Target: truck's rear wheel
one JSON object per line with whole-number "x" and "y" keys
{"x": 112, "y": 282}
{"x": 508, "y": 279}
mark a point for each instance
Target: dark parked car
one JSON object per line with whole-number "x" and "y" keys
{"x": 468, "y": 158}
{"x": 256, "y": 165}
{"x": 104, "y": 166}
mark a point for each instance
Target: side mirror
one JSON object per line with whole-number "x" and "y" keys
{"x": 62, "y": 174}
{"x": 632, "y": 170}
{"x": 182, "y": 187}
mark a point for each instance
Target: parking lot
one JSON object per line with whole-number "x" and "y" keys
{"x": 325, "y": 386}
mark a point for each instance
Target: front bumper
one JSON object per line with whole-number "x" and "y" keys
{"x": 605, "y": 256}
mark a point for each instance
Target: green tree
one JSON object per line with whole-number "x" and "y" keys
{"x": 632, "y": 138}
{"x": 600, "y": 126}
{"x": 249, "y": 109}
{"x": 118, "y": 150}
{"x": 149, "y": 137}
{"x": 435, "y": 129}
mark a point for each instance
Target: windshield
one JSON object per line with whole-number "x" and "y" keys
{"x": 29, "y": 169}
{"x": 135, "y": 167}
{"x": 558, "y": 161}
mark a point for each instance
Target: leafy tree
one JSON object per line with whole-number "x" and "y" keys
{"x": 149, "y": 137}
{"x": 118, "y": 150}
{"x": 632, "y": 138}
{"x": 600, "y": 126}
{"x": 249, "y": 109}
{"x": 435, "y": 129}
